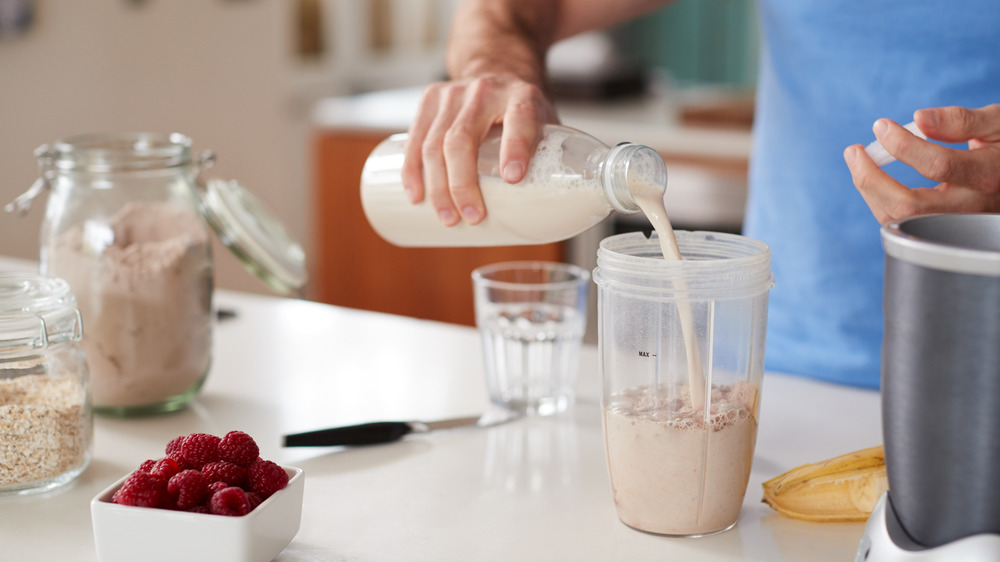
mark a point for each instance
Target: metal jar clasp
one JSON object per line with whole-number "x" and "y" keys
{"x": 22, "y": 203}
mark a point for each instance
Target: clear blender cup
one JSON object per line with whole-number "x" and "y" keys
{"x": 682, "y": 359}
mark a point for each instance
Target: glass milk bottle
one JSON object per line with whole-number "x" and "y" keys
{"x": 573, "y": 182}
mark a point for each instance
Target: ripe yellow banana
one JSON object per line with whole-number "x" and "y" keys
{"x": 843, "y": 488}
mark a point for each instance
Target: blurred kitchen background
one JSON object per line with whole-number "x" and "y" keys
{"x": 292, "y": 94}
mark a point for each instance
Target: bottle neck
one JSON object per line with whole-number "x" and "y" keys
{"x": 628, "y": 163}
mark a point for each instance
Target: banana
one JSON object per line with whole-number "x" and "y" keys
{"x": 843, "y": 488}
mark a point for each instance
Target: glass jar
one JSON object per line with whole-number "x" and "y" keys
{"x": 123, "y": 227}
{"x": 127, "y": 226}
{"x": 45, "y": 418}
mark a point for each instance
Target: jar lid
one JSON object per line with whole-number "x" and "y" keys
{"x": 254, "y": 235}
{"x": 36, "y": 311}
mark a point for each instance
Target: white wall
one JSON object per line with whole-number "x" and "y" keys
{"x": 219, "y": 71}
{"x": 224, "y": 72}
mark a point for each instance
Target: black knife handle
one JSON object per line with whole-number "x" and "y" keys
{"x": 362, "y": 434}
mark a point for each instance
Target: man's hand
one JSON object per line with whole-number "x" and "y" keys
{"x": 452, "y": 121}
{"x": 496, "y": 61}
{"x": 969, "y": 179}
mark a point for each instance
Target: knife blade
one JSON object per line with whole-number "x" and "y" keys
{"x": 388, "y": 431}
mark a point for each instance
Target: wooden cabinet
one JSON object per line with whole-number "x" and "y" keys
{"x": 354, "y": 267}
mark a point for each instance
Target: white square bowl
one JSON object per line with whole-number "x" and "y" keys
{"x": 125, "y": 533}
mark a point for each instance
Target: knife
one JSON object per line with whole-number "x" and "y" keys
{"x": 389, "y": 431}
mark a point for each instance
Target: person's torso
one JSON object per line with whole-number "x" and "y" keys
{"x": 828, "y": 70}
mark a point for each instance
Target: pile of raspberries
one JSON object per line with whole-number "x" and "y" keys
{"x": 204, "y": 473}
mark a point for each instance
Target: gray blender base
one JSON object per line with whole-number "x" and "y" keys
{"x": 879, "y": 544}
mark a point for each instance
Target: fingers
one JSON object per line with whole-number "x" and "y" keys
{"x": 960, "y": 124}
{"x": 887, "y": 198}
{"x": 979, "y": 169}
{"x": 433, "y": 154}
{"x": 522, "y": 131}
{"x": 413, "y": 171}
{"x": 461, "y": 146}
{"x": 441, "y": 154}
{"x": 890, "y": 200}
{"x": 969, "y": 180}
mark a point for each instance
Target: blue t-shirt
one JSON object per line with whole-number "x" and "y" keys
{"x": 828, "y": 70}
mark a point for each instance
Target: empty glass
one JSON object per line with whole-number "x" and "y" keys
{"x": 532, "y": 317}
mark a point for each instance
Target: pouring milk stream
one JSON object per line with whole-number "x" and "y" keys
{"x": 650, "y": 199}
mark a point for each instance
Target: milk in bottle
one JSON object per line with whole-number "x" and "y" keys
{"x": 573, "y": 182}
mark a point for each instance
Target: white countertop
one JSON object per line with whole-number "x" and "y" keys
{"x": 532, "y": 489}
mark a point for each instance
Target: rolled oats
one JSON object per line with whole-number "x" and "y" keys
{"x": 44, "y": 427}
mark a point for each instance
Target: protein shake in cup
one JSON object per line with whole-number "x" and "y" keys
{"x": 682, "y": 358}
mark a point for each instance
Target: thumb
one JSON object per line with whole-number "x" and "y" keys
{"x": 960, "y": 124}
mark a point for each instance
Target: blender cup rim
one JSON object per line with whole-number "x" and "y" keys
{"x": 719, "y": 265}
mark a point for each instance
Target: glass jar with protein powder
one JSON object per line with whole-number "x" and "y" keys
{"x": 127, "y": 225}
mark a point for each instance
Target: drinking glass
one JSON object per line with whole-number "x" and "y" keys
{"x": 532, "y": 316}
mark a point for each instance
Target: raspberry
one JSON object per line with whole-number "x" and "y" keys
{"x": 238, "y": 448}
{"x": 200, "y": 449}
{"x": 254, "y": 499}
{"x": 231, "y": 501}
{"x": 175, "y": 445}
{"x": 232, "y": 474}
{"x": 190, "y": 487}
{"x": 142, "y": 490}
{"x": 164, "y": 469}
{"x": 202, "y": 473}
{"x": 178, "y": 458}
{"x": 266, "y": 477}
{"x": 169, "y": 502}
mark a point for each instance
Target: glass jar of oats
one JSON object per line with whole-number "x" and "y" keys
{"x": 45, "y": 418}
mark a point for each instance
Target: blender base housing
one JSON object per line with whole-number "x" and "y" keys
{"x": 886, "y": 541}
